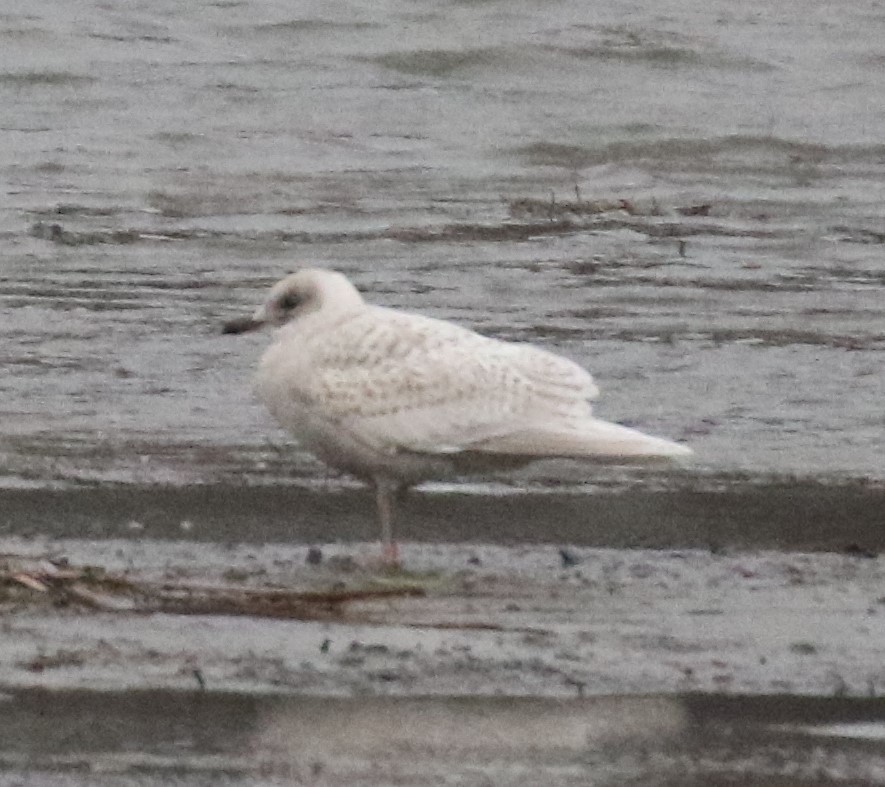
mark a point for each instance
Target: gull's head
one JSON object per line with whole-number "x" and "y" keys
{"x": 307, "y": 291}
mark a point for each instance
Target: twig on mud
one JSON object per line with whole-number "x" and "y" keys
{"x": 77, "y": 592}
{"x": 271, "y": 603}
{"x": 29, "y": 582}
{"x": 474, "y": 625}
{"x": 93, "y": 588}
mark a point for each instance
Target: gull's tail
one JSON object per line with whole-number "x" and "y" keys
{"x": 592, "y": 439}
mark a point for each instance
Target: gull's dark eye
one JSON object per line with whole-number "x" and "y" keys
{"x": 289, "y": 301}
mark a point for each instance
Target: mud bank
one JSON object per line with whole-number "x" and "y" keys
{"x": 464, "y": 619}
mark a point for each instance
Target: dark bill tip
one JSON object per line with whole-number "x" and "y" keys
{"x": 241, "y": 325}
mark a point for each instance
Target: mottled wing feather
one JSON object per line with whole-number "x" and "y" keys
{"x": 407, "y": 382}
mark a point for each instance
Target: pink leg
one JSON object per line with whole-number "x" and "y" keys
{"x": 389, "y": 547}
{"x": 390, "y": 554}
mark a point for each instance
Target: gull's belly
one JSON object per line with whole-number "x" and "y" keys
{"x": 341, "y": 446}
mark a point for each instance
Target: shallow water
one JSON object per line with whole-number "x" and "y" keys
{"x": 530, "y": 171}
{"x": 187, "y": 738}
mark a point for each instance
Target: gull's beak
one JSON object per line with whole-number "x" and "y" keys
{"x": 245, "y": 324}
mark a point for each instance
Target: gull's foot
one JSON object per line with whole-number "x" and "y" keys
{"x": 387, "y": 562}
{"x": 390, "y": 556}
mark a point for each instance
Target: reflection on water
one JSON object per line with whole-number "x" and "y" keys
{"x": 688, "y": 201}
{"x": 163, "y": 737}
{"x": 869, "y": 731}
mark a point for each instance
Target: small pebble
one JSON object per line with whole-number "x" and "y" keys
{"x": 856, "y": 550}
{"x": 314, "y": 556}
{"x": 568, "y": 558}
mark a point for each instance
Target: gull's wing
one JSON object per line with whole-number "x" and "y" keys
{"x": 401, "y": 381}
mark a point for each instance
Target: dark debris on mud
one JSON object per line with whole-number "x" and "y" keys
{"x": 40, "y": 582}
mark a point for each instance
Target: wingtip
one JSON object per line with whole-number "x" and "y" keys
{"x": 680, "y": 451}
{"x": 662, "y": 448}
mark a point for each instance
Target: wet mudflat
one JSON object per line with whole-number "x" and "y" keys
{"x": 461, "y": 619}
{"x": 686, "y": 202}
{"x": 509, "y": 664}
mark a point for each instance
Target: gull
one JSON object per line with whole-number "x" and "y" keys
{"x": 395, "y": 398}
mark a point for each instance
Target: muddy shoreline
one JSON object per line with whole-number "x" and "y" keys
{"x": 619, "y": 666}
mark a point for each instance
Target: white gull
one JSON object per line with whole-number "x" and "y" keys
{"x": 396, "y": 398}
